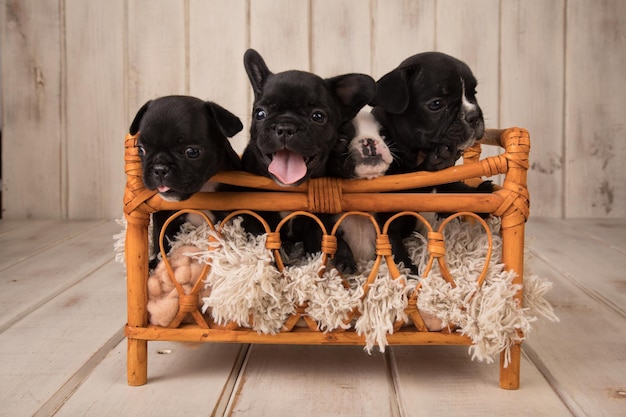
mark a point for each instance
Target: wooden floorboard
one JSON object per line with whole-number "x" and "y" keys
{"x": 593, "y": 265}
{"x": 63, "y": 306}
{"x": 319, "y": 381}
{"x": 183, "y": 380}
{"x": 29, "y": 238}
{"x": 584, "y": 355}
{"x": 46, "y": 349}
{"x": 46, "y": 273}
{"x": 443, "y": 381}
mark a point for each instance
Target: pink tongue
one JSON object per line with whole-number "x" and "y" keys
{"x": 163, "y": 189}
{"x": 287, "y": 166}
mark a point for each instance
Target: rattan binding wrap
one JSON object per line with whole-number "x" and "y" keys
{"x": 330, "y": 195}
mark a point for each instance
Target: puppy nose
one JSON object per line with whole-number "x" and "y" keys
{"x": 161, "y": 170}
{"x": 472, "y": 117}
{"x": 368, "y": 147}
{"x": 285, "y": 130}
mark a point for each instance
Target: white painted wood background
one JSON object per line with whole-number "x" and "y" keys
{"x": 74, "y": 72}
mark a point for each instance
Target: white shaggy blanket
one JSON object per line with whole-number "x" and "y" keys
{"x": 246, "y": 288}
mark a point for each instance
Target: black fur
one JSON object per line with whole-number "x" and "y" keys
{"x": 183, "y": 142}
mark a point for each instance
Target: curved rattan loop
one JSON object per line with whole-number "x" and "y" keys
{"x": 442, "y": 265}
{"x": 329, "y": 243}
{"x": 355, "y": 213}
{"x": 272, "y": 241}
{"x": 393, "y": 269}
{"x": 290, "y": 216}
{"x": 406, "y": 213}
{"x": 236, "y": 213}
{"x": 187, "y": 303}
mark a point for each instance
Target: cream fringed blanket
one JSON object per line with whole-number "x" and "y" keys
{"x": 244, "y": 286}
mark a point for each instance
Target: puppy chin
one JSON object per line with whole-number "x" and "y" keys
{"x": 370, "y": 171}
{"x": 468, "y": 143}
{"x": 170, "y": 197}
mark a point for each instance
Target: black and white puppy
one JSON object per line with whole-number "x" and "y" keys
{"x": 297, "y": 119}
{"x": 182, "y": 143}
{"x": 428, "y": 109}
{"x": 429, "y": 113}
{"x": 361, "y": 154}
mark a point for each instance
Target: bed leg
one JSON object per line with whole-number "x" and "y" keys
{"x": 136, "y": 277}
{"x": 510, "y": 376}
{"x": 137, "y": 362}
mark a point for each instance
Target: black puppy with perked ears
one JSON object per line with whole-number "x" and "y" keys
{"x": 297, "y": 119}
{"x": 182, "y": 143}
{"x": 429, "y": 113}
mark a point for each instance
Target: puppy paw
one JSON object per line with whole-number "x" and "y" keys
{"x": 345, "y": 265}
{"x": 443, "y": 156}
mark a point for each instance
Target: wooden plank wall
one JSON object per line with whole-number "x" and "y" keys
{"x": 74, "y": 73}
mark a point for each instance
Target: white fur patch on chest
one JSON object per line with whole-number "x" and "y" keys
{"x": 466, "y": 105}
{"x": 360, "y": 235}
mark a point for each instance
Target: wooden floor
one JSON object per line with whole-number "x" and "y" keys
{"x": 63, "y": 308}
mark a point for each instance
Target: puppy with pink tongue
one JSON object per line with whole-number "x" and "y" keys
{"x": 287, "y": 167}
{"x": 296, "y": 119}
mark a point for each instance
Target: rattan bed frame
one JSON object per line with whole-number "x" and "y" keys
{"x": 329, "y": 195}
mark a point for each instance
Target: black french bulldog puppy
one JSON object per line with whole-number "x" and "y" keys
{"x": 360, "y": 153}
{"x": 182, "y": 143}
{"x": 429, "y": 113}
{"x": 297, "y": 118}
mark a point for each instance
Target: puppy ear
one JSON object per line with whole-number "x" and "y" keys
{"x": 353, "y": 91}
{"x": 228, "y": 123}
{"x": 134, "y": 126}
{"x": 392, "y": 93}
{"x": 256, "y": 69}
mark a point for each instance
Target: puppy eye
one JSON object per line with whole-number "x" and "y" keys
{"x": 141, "y": 151}
{"x": 192, "y": 153}
{"x": 435, "y": 105}
{"x": 260, "y": 114}
{"x": 318, "y": 117}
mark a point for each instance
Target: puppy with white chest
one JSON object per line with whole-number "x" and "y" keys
{"x": 297, "y": 119}
{"x": 360, "y": 154}
{"x": 182, "y": 143}
{"x": 429, "y": 113}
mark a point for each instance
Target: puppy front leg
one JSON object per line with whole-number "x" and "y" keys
{"x": 441, "y": 157}
{"x": 344, "y": 258}
{"x": 158, "y": 220}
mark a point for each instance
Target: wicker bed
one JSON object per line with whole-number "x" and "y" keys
{"x": 330, "y": 195}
